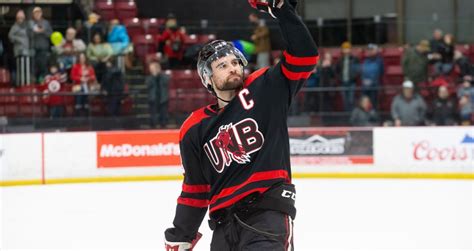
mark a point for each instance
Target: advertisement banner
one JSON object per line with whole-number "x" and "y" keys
{"x": 444, "y": 149}
{"x": 21, "y": 157}
{"x": 331, "y": 146}
{"x": 138, "y": 149}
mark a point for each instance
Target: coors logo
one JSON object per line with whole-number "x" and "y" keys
{"x": 317, "y": 145}
{"x": 234, "y": 143}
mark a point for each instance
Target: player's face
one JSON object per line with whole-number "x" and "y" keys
{"x": 227, "y": 73}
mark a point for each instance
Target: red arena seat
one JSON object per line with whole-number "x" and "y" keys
{"x": 206, "y": 38}
{"x": 144, "y": 45}
{"x": 105, "y": 9}
{"x": 5, "y": 77}
{"x": 125, "y": 10}
{"x": 392, "y": 55}
{"x": 153, "y": 25}
{"x": 134, "y": 26}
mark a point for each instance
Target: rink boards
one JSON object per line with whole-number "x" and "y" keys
{"x": 411, "y": 152}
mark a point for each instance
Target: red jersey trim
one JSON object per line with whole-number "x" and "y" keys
{"x": 238, "y": 197}
{"x": 254, "y": 76}
{"x": 300, "y": 61}
{"x": 195, "y": 117}
{"x": 295, "y": 75}
{"x": 259, "y": 176}
{"x": 193, "y": 202}
{"x": 196, "y": 188}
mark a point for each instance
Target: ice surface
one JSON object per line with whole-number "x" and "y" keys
{"x": 333, "y": 214}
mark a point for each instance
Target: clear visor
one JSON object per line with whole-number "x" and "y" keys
{"x": 225, "y": 50}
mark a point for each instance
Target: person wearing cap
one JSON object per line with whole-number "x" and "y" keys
{"x": 41, "y": 32}
{"x": 348, "y": 70}
{"x": 408, "y": 108}
{"x": 415, "y": 62}
{"x": 371, "y": 73}
{"x": 93, "y": 25}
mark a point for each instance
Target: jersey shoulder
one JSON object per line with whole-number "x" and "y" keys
{"x": 195, "y": 118}
{"x": 254, "y": 75}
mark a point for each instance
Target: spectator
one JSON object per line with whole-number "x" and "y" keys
{"x": 53, "y": 83}
{"x": 113, "y": 86}
{"x": 446, "y": 50}
{"x": 98, "y": 54}
{"x": 261, "y": 39}
{"x": 415, "y": 63}
{"x": 157, "y": 84}
{"x": 348, "y": 70}
{"x": 436, "y": 43}
{"x": 68, "y": 49}
{"x": 19, "y": 36}
{"x": 118, "y": 37}
{"x": 364, "y": 114}
{"x": 327, "y": 77}
{"x": 443, "y": 110}
{"x": 466, "y": 110}
{"x": 93, "y": 26}
{"x": 173, "y": 42}
{"x": 464, "y": 64}
{"x": 83, "y": 76}
{"x": 408, "y": 108}
{"x": 41, "y": 32}
{"x": 371, "y": 73}
{"x": 465, "y": 96}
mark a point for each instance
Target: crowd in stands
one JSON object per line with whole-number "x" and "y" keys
{"x": 436, "y": 81}
{"x": 430, "y": 83}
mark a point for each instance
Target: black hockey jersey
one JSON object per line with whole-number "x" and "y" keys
{"x": 243, "y": 148}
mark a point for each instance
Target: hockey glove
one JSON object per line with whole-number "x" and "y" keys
{"x": 266, "y": 5}
{"x": 182, "y": 246}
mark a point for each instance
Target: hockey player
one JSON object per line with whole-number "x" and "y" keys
{"x": 235, "y": 153}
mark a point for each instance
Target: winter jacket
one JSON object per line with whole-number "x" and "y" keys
{"x": 354, "y": 70}
{"x": 372, "y": 71}
{"x": 411, "y": 112}
{"x": 40, "y": 41}
{"x": 113, "y": 81}
{"x": 443, "y": 112}
{"x": 78, "y": 46}
{"x": 361, "y": 117}
{"x": 118, "y": 39}
{"x": 157, "y": 88}
{"x": 99, "y": 51}
{"x": 415, "y": 66}
{"x": 19, "y": 36}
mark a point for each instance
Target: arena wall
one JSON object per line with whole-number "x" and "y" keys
{"x": 421, "y": 152}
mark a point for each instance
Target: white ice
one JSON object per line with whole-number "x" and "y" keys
{"x": 333, "y": 214}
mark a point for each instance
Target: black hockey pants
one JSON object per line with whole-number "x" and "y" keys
{"x": 261, "y": 231}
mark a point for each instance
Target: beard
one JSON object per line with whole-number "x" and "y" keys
{"x": 232, "y": 82}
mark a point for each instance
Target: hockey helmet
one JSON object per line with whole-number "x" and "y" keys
{"x": 212, "y": 52}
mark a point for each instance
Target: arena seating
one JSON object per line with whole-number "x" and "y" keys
{"x": 134, "y": 26}
{"x": 125, "y": 10}
{"x": 144, "y": 45}
{"x": 4, "y": 77}
{"x": 153, "y": 25}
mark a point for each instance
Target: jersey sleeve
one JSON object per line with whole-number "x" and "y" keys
{"x": 300, "y": 57}
{"x": 194, "y": 199}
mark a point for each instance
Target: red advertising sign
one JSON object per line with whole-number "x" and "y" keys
{"x": 138, "y": 149}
